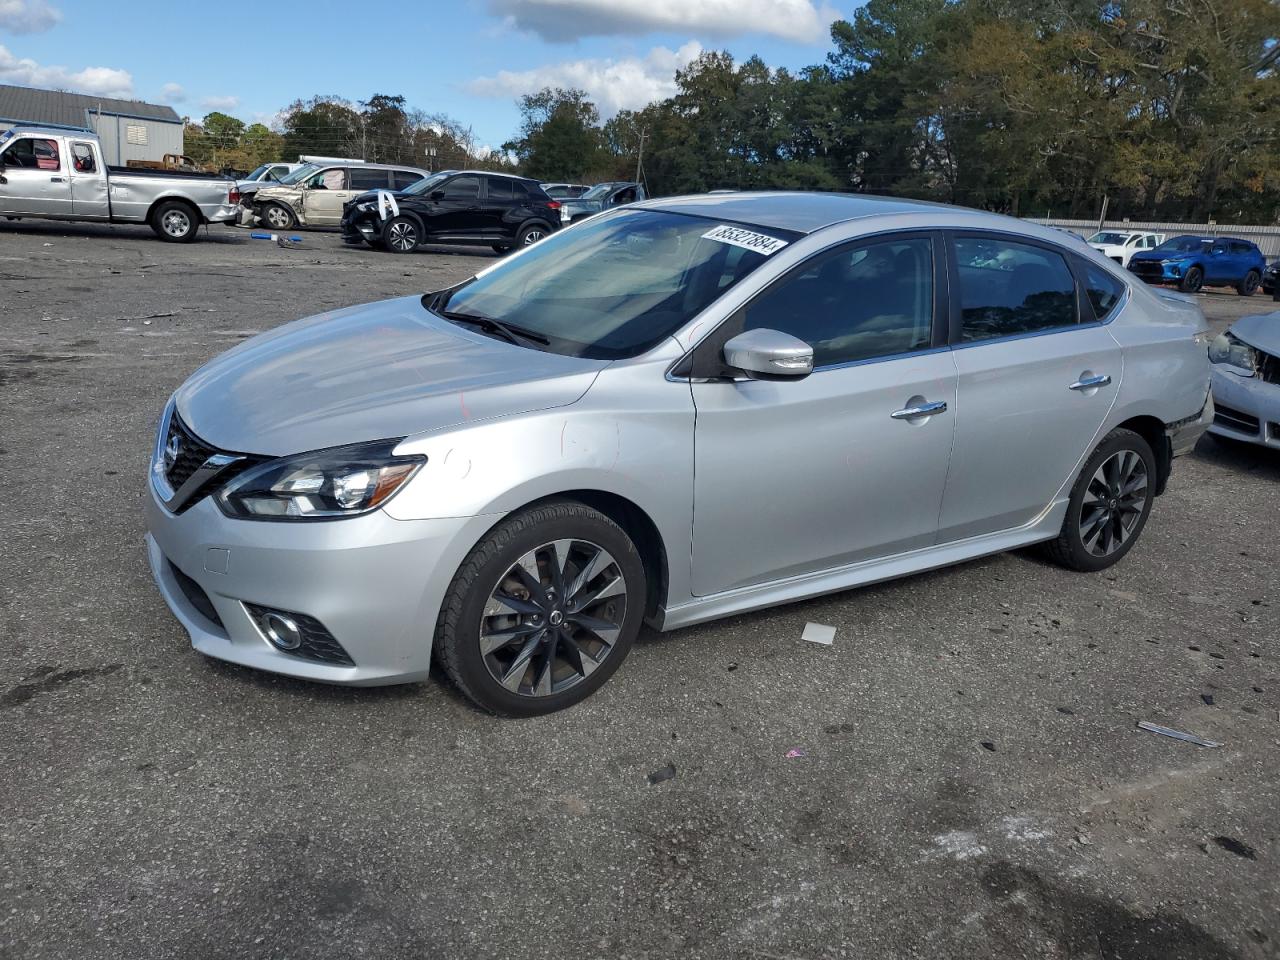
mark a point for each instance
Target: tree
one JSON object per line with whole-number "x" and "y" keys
{"x": 559, "y": 135}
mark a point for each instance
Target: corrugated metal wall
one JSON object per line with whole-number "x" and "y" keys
{"x": 161, "y": 138}
{"x": 1267, "y": 238}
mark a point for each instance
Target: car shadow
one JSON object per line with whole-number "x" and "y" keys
{"x": 124, "y": 232}
{"x": 1239, "y": 456}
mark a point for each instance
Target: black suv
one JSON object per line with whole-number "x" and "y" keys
{"x": 453, "y": 206}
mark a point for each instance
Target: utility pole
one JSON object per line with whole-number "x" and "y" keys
{"x": 640, "y": 154}
{"x": 1102, "y": 217}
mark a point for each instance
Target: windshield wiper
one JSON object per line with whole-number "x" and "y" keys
{"x": 521, "y": 338}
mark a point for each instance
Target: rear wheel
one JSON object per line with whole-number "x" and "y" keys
{"x": 278, "y": 217}
{"x": 1249, "y": 285}
{"x": 530, "y": 234}
{"x": 1109, "y": 504}
{"x": 1193, "y": 281}
{"x": 175, "y": 222}
{"x": 401, "y": 235}
{"x": 542, "y": 611}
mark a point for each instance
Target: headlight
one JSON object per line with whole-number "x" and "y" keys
{"x": 364, "y": 205}
{"x": 324, "y": 485}
{"x": 1228, "y": 349}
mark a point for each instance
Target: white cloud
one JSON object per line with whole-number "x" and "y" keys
{"x": 627, "y": 83}
{"x": 804, "y": 21}
{"x": 172, "y": 93}
{"x": 104, "y": 81}
{"x": 220, "y": 103}
{"x": 28, "y": 16}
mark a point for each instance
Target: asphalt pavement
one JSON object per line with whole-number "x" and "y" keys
{"x": 959, "y": 775}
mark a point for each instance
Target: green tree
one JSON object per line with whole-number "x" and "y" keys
{"x": 559, "y": 135}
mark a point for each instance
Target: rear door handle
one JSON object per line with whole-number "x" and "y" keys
{"x": 920, "y": 410}
{"x": 1091, "y": 383}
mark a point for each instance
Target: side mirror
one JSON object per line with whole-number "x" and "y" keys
{"x": 769, "y": 355}
{"x": 437, "y": 194}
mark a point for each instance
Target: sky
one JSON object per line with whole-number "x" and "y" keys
{"x": 470, "y": 59}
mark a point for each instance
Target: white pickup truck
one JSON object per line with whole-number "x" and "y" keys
{"x": 1120, "y": 245}
{"x": 57, "y": 174}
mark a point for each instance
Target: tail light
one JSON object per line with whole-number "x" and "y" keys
{"x": 233, "y": 196}
{"x": 553, "y": 204}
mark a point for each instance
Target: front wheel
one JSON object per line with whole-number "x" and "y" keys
{"x": 175, "y": 222}
{"x": 278, "y": 217}
{"x": 1109, "y": 504}
{"x": 1193, "y": 281}
{"x": 1249, "y": 285}
{"x": 401, "y": 235}
{"x": 542, "y": 611}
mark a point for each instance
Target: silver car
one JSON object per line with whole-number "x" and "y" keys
{"x": 1246, "y": 381}
{"x": 681, "y": 410}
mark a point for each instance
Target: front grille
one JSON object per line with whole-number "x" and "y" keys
{"x": 192, "y": 453}
{"x": 1268, "y": 367}
{"x": 317, "y": 642}
{"x": 1146, "y": 269}
{"x": 1234, "y": 419}
{"x": 196, "y": 596}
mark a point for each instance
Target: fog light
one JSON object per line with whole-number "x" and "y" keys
{"x": 282, "y": 631}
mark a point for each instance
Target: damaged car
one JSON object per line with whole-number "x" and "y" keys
{"x": 1245, "y": 365}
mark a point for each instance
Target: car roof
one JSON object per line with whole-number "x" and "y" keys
{"x": 797, "y": 211}
{"x": 359, "y": 165}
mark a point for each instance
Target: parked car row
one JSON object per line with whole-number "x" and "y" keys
{"x": 1191, "y": 262}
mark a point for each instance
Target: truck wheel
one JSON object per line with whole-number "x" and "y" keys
{"x": 1249, "y": 285}
{"x": 1193, "y": 281}
{"x": 175, "y": 222}
{"x": 278, "y": 217}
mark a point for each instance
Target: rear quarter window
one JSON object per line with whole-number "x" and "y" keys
{"x": 1103, "y": 290}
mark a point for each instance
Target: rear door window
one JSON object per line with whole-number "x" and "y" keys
{"x": 368, "y": 179}
{"x": 1008, "y": 288}
{"x": 499, "y": 189}
{"x": 1103, "y": 290}
{"x": 82, "y": 158}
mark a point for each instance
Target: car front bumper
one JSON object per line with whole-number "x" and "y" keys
{"x": 1248, "y": 408}
{"x": 1153, "y": 271}
{"x": 374, "y": 583}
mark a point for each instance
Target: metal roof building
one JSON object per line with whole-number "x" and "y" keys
{"x": 129, "y": 129}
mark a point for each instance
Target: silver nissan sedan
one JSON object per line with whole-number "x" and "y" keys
{"x": 671, "y": 412}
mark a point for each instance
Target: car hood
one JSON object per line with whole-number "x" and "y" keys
{"x": 1262, "y": 331}
{"x": 371, "y": 372}
{"x": 278, "y": 192}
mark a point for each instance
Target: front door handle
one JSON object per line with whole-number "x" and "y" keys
{"x": 920, "y": 410}
{"x": 1091, "y": 383}
{"x": 57, "y": 180}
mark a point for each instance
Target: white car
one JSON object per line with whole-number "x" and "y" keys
{"x": 1120, "y": 245}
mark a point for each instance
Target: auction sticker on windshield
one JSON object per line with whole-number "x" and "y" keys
{"x": 746, "y": 239}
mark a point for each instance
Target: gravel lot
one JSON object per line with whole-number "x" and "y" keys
{"x": 973, "y": 784}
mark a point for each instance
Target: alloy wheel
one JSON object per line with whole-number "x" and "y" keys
{"x": 1113, "y": 503}
{"x": 402, "y": 236}
{"x": 277, "y": 218}
{"x": 176, "y": 223}
{"x": 533, "y": 236}
{"x": 553, "y": 618}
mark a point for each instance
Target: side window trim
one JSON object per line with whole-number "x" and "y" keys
{"x": 1089, "y": 316}
{"x": 956, "y": 331}
{"x": 697, "y": 364}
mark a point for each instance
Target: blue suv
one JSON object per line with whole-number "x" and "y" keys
{"x": 1193, "y": 262}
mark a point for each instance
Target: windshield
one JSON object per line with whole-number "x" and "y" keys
{"x": 615, "y": 286}
{"x": 1186, "y": 245}
{"x": 598, "y": 192}
{"x": 301, "y": 173}
{"x": 257, "y": 174}
{"x": 426, "y": 183}
{"x": 1111, "y": 239}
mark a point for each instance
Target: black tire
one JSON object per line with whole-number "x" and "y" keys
{"x": 458, "y": 631}
{"x": 501, "y": 248}
{"x": 1070, "y": 549}
{"x": 276, "y": 216}
{"x": 401, "y": 235}
{"x": 176, "y": 222}
{"x": 1192, "y": 281}
{"x": 1249, "y": 285}
{"x": 531, "y": 233}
